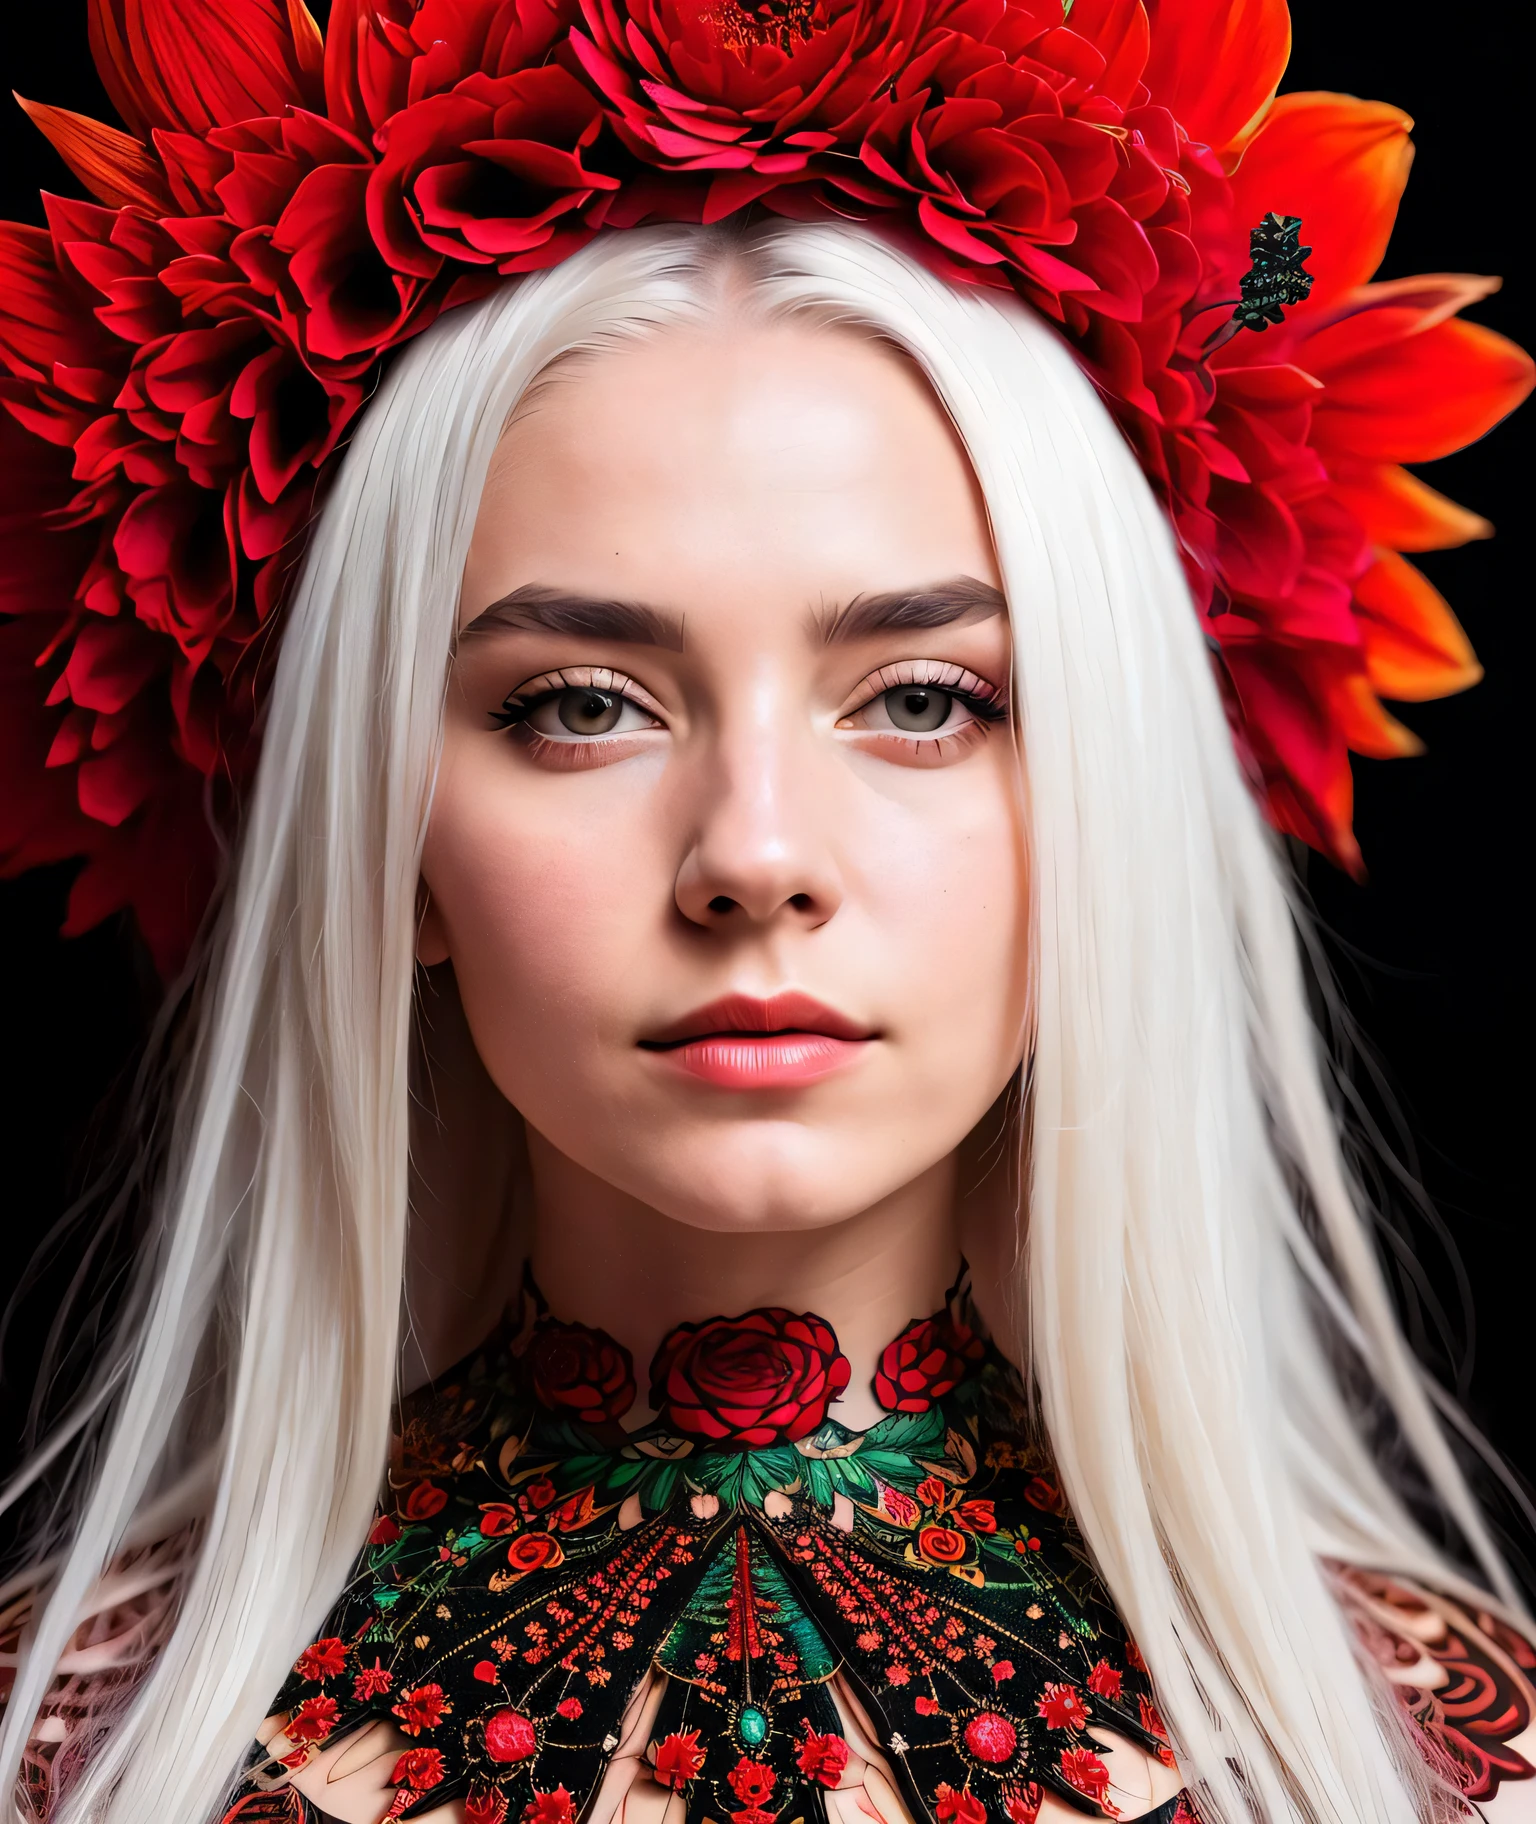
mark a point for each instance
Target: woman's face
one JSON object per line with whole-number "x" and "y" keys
{"x": 725, "y": 846}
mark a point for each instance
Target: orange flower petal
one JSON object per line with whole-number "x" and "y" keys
{"x": 1338, "y": 163}
{"x": 198, "y": 64}
{"x": 116, "y": 168}
{"x": 1215, "y": 64}
{"x": 1397, "y": 392}
{"x": 1367, "y": 727}
{"x": 1397, "y": 509}
{"x": 1414, "y": 646}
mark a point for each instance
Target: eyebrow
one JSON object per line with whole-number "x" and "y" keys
{"x": 537, "y": 608}
{"x": 960, "y": 599}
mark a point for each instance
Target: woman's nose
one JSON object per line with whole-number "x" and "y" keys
{"x": 761, "y": 851}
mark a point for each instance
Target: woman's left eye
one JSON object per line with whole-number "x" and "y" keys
{"x": 920, "y": 707}
{"x": 916, "y": 709}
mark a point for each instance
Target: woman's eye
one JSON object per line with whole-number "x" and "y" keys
{"x": 917, "y": 709}
{"x": 582, "y": 712}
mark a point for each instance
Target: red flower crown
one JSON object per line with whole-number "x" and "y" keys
{"x": 185, "y": 359}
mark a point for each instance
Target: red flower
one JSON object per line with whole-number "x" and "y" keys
{"x": 423, "y": 1500}
{"x": 373, "y": 1681}
{"x": 1023, "y": 1807}
{"x": 678, "y": 1759}
{"x": 751, "y": 1781}
{"x": 540, "y": 1492}
{"x": 1045, "y": 1493}
{"x": 822, "y": 1757}
{"x": 486, "y": 1671}
{"x": 925, "y": 1706}
{"x": 953, "y": 1807}
{"x": 978, "y": 1515}
{"x": 420, "y": 1769}
{"x": 580, "y": 1371}
{"x": 1002, "y": 1671}
{"x": 485, "y": 1807}
{"x": 509, "y": 1736}
{"x": 322, "y": 1659}
{"x": 901, "y": 1508}
{"x": 422, "y": 1707}
{"x": 931, "y": 1491}
{"x": 929, "y": 1359}
{"x": 314, "y": 1720}
{"x": 1105, "y": 1681}
{"x": 765, "y": 1378}
{"x": 569, "y": 1708}
{"x": 990, "y": 1737}
{"x": 1062, "y": 1707}
{"x": 496, "y": 1518}
{"x": 573, "y": 1513}
{"x": 549, "y": 1808}
{"x": 942, "y": 1544}
{"x": 534, "y": 1552}
{"x": 386, "y": 1531}
{"x": 1082, "y": 1769}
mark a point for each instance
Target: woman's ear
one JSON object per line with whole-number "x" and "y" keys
{"x": 431, "y": 933}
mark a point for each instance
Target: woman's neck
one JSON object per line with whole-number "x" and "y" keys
{"x": 604, "y": 1259}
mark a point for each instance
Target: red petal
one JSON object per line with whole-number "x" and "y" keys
{"x": 200, "y": 64}
{"x": 1414, "y": 646}
{"x": 1396, "y": 391}
{"x": 1398, "y": 510}
{"x": 116, "y": 168}
{"x": 1338, "y": 163}
{"x": 1214, "y": 64}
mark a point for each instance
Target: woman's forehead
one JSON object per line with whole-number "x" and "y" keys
{"x": 787, "y": 464}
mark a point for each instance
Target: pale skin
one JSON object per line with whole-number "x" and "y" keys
{"x": 756, "y": 820}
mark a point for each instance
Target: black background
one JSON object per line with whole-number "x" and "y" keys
{"x": 1433, "y": 952}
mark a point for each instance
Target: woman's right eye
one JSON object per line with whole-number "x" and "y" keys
{"x": 582, "y": 713}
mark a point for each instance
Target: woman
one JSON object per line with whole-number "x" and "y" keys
{"x": 827, "y": 865}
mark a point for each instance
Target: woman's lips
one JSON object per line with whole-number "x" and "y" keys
{"x": 740, "y": 1042}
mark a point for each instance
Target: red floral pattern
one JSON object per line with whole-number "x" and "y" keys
{"x": 581, "y": 1371}
{"x": 183, "y": 359}
{"x": 765, "y": 1378}
{"x": 928, "y": 1360}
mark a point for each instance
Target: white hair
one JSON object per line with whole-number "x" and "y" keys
{"x": 1195, "y": 1274}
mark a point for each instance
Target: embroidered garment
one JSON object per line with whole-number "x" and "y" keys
{"x": 538, "y": 1565}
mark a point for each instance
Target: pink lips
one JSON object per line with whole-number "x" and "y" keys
{"x": 740, "y": 1042}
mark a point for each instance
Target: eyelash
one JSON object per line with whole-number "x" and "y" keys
{"x": 986, "y": 703}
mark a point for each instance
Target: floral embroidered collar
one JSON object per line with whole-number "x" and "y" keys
{"x": 536, "y": 1562}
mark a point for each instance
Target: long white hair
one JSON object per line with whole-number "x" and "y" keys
{"x": 1195, "y": 1275}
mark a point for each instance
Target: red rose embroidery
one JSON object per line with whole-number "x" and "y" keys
{"x": 580, "y": 1371}
{"x": 1061, "y": 1707}
{"x": 509, "y": 1736}
{"x": 925, "y": 1706}
{"x": 990, "y": 1737}
{"x": 534, "y": 1552}
{"x": 420, "y": 1708}
{"x": 540, "y": 1492}
{"x": 423, "y": 1500}
{"x": 929, "y": 1359}
{"x": 942, "y": 1544}
{"x": 386, "y": 1531}
{"x": 573, "y": 1512}
{"x": 1082, "y": 1769}
{"x": 485, "y": 1807}
{"x": 497, "y": 1518}
{"x": 418, "y": 1768}
{"x": 751, "y": 1781}
{"x": 322, "y": 1659}
{"x": 930, "y": 1491}
{"x": 373, "y": 1681}
{"x": 747, "y": 1382}
{"x": 1104, "y": 1680}
{"x": 1024, "y": 1807}
{"x": 958, "y": 1807}
{"x": 313, "y": 1721}
{"x": 822, "y": 1758}
{"x": 978, "y": 1516}
{"x": 678, "y": 1759}
{"x": 569, "y": 1708}
{"x": 549, "y": 1808}
{"x": 1002, "y": 1670}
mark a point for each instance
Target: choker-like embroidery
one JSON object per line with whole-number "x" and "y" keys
{"x": 536, "y": 1562}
